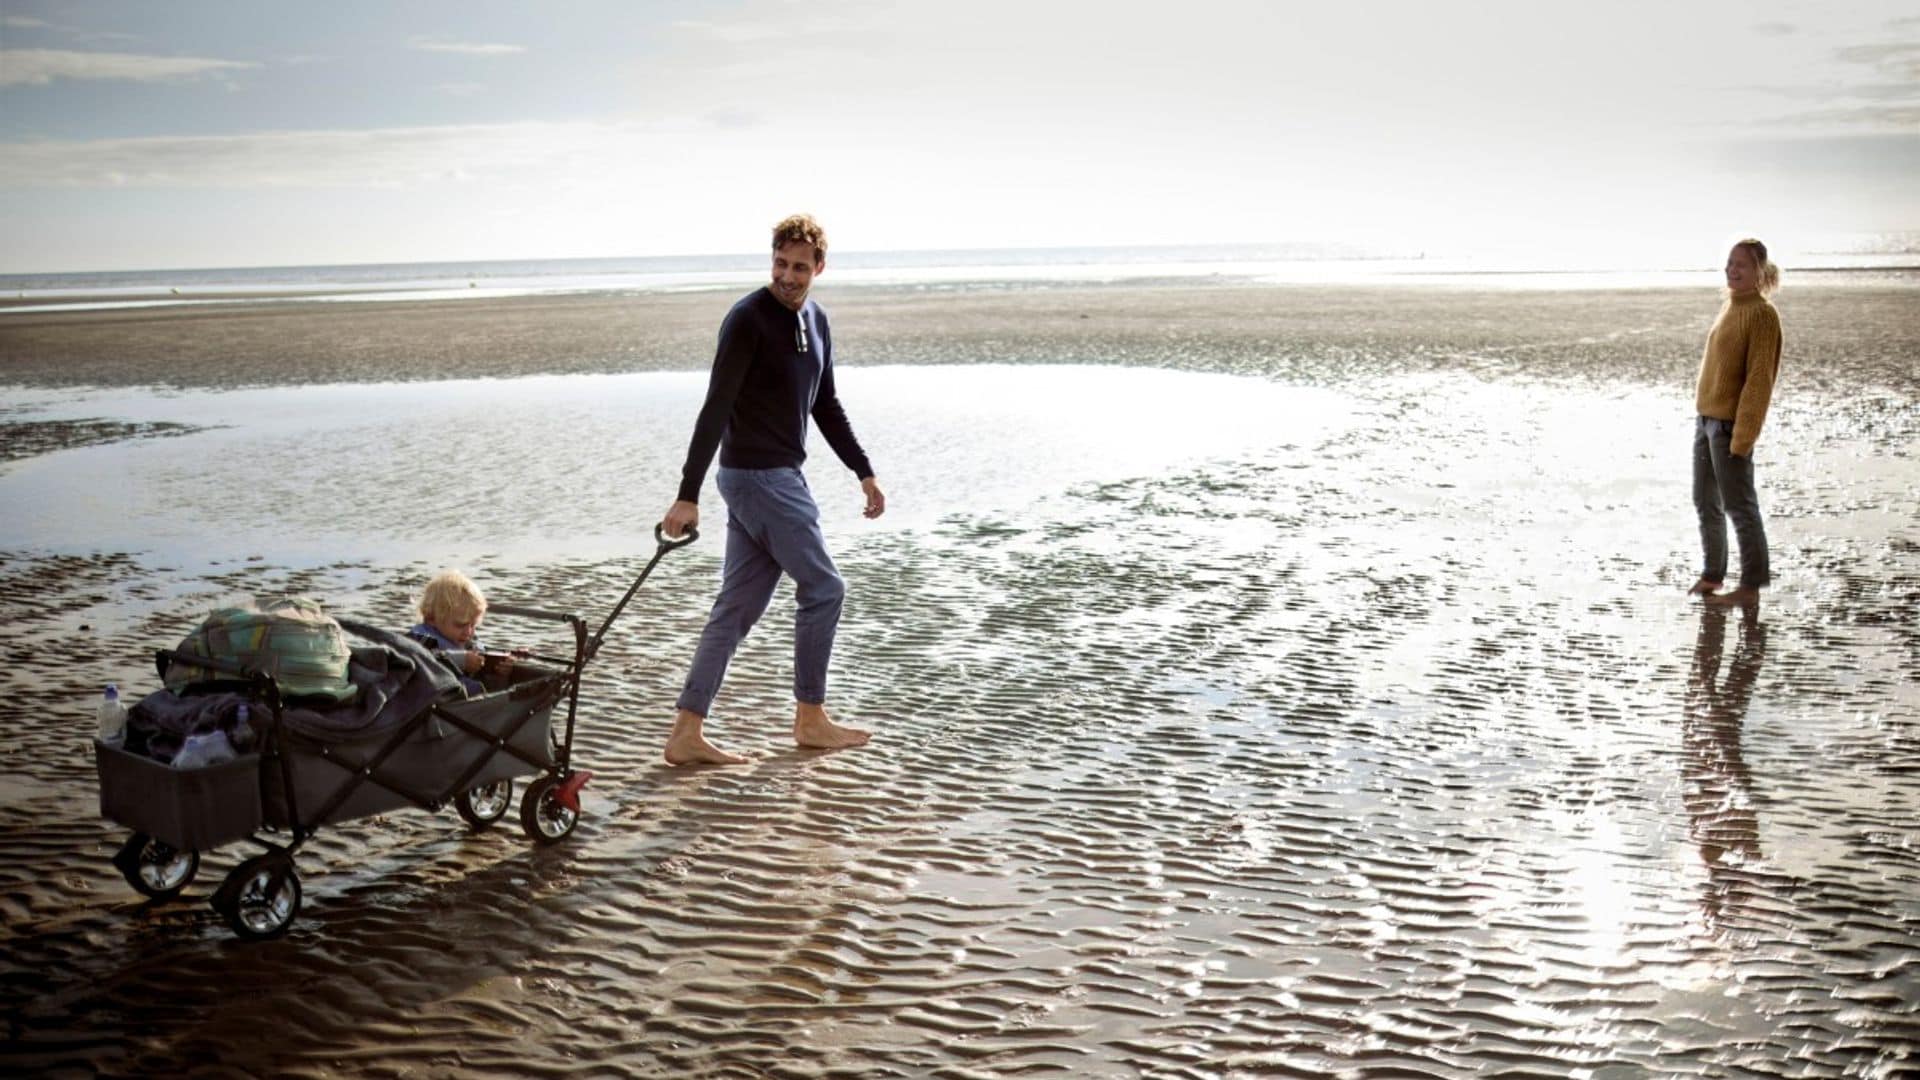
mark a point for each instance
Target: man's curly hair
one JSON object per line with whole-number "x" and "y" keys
{"x": 801, "y": 229}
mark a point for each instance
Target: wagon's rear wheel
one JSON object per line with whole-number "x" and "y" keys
{"x": 260, "y": 897}
{"x": 542, "y": 815}
{"x": 486, "y": 804}
{"x": 156, "y": 868}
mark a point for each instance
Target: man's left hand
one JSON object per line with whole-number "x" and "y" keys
{"x": 876, "y": 499}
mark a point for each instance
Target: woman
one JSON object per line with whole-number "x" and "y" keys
{"x": 450, "y": 612}
{"x": 1736, "y": 385}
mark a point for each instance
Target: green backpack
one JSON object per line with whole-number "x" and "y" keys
{"x": 291, "y": 639}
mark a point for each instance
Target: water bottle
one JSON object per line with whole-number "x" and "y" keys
{"x": 242, "y": 736}
{"x": 111, "y": 717}
{"x": 200, "y": 751}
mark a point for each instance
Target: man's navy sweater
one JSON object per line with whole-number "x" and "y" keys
{"x": 763, "y": 389}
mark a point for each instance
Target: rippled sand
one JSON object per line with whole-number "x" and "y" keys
{"x": 1388, "y": 747}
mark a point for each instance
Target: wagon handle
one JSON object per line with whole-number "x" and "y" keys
{"x": 666, "y": 544}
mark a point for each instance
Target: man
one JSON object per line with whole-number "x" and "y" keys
{"x": 772, "y": 371}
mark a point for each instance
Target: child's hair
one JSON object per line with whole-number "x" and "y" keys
{"x": 452, "y": 597}
{"x": 1769, "y": 273}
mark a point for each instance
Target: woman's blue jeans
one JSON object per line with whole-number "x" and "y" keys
{"x": 773, "y": 527}
{"x": 1722, "y": 489}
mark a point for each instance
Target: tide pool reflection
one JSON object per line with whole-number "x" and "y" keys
{"x": 317, "y": 472}
{"x": 1717, "y": 786}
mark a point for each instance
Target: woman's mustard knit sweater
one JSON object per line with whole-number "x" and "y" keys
{"x": 1738, "y": 368}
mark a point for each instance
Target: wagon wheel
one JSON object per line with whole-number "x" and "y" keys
{"x": 260, "y": 897}
{"x": 542, "y": 815}
{"x": 156, "y": 868}
{"x": 486, "y": 804}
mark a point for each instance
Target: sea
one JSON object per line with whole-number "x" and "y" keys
{"x": 1841, "y": 260}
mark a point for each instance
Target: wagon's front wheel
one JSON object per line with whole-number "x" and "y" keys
{"x": 486, "y": 804}
{"x": 260, "y": 897}
{"x": 542, "y": 814}
{"x": 156, "y": 868}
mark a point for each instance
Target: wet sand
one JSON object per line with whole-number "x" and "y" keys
{"x": 1852, "y": 332}
{"x": 1391, "y": 751}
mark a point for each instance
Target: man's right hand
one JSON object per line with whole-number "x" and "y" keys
{"x": 681, "y": 516}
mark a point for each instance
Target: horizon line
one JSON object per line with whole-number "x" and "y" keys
{"x": 1902, "y": 242}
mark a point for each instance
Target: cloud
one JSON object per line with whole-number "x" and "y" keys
{"x": 737, "y": 33}
{"x": 733, "y": 119}
{"x": 21, "y": 22}
{"x": 1870, "y": 91}
{"x": 1857, "y": 159}
{"x": 461, "y": 89}
{"x": 1880, "y": 52}
{"x": 1896, "y": 91}
{"x": 464, "y": 48}
{"x": 1896, "y": 59}
{"x": 38, "y": 67}
{"x": 386, "y": 158}
{"x": 1906, "y": 117}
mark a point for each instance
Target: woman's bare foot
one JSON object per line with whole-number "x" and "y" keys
{"x": 1741, "y": 597}
{"x": 1703, "y": 587}
{"x": 815, "y": 731}
{"x": 688, "y": 745}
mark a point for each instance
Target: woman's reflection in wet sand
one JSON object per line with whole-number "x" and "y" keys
{"x": 1716, "y": 785}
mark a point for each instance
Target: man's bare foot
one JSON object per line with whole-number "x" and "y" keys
{"x": 1703, "y": 587}
{"x": 688, "y": 745}
{"x": 1742, "y": 597}
{"x": 815, "y": 731}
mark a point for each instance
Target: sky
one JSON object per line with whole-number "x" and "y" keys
{"x": 194, "y": 133}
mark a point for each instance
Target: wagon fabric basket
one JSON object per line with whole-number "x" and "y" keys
{"x": 190, "y": 809}
{"x": 416, "y": 770}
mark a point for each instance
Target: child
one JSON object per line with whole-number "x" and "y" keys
{"x": 450, "y": 612}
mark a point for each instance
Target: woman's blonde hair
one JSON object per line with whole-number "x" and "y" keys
{"x": 1769, "y": 273}
{"x": 451, "y": 596}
